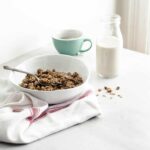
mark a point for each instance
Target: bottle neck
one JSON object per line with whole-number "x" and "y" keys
{"x": 111, "y": 24}
{"x": 112, "y": 29}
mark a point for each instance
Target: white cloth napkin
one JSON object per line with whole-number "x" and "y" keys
{"x": 24, "y": 118}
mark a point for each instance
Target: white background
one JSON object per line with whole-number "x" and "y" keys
{"x": 27, "y": 24}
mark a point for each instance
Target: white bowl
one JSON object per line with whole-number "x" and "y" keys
{"x": 60, "y": 63}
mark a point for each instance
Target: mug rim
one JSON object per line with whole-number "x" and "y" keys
{"x": 55, "y": 35}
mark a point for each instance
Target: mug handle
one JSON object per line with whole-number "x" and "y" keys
{"x": 86, "y": 40}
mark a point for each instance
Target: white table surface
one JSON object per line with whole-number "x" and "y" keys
{"x": 125, "y": 122}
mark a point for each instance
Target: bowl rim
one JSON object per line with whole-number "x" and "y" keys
{"x": 53, "y": 55}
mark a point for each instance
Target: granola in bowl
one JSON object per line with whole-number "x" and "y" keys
{"x": 53, "y": 80}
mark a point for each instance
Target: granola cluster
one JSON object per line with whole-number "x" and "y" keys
{"x": 52, "y": 80}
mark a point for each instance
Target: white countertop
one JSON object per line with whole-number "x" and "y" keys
{"x": 125, "y": 122}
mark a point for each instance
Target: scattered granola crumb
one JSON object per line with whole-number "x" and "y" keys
{"x": 109, "y": 90}
{"x": 118, "y": 88}
{"x": 105, "y": 87}
{"x": 99, "y": 90}
{"x": 17, "y": 110}
{"x": 112, "y": 94}
{"x": 119, "y": 96}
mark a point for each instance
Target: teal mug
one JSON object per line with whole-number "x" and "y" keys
{"x": 70, "y": 42}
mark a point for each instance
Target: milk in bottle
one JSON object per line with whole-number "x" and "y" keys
{"x": 108, "y": 48}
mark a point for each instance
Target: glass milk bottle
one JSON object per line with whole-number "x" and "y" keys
{"x": 108, "y": 46}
